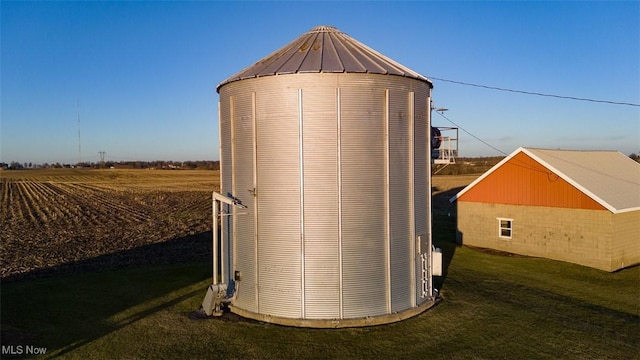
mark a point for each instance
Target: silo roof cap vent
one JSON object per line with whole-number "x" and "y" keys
{"x": 324, "y": 49}
{"x": 324, "y": 28}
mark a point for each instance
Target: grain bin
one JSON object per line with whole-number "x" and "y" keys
{"x": 325, "y": 145}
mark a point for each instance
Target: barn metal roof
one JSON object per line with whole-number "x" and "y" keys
{"x": 324, "y": 49}
{"x": 608, "y": 177}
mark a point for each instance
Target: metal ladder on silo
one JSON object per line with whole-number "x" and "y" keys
{"x": 425, "y": 274}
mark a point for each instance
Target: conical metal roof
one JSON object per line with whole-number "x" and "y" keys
{"x": 324, "y": 49}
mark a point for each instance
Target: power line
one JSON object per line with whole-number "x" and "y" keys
{"x": 535, "y": 93}
{"x": 470, "y": 134}
{"x": 516, "y": 161}
{"x": 524, "y": 165}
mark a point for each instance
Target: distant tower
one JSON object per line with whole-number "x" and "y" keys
{"x": 79, "y": 148}
{"x": 102, "y": 154}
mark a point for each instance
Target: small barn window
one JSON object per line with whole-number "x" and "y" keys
{"x": 505, "y": 228}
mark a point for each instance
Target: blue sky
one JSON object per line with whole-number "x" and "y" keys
{"x": 145, "y": 73}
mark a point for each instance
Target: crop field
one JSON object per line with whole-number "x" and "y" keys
{"x": 57, "y": 217}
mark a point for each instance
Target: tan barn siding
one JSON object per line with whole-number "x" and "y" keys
{"x": 573, "y": 235}
{"x": 626, "y": 240}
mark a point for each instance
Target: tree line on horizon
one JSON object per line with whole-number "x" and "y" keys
{"x": 463, "y": 165}
{"x": 156, "y": 164}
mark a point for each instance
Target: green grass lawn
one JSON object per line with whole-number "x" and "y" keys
{"x": 493, "y": 306}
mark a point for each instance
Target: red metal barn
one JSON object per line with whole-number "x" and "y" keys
{"x": 576, "y": 206}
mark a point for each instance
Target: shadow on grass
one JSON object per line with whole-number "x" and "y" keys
{"x": 84, "y": 302}
{"x": 189, "y": 248}
{"x": 444, "y": 229}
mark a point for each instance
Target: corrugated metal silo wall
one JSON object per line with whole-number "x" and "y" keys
{"x": 363, "y": 197}
{"x": 237, "y": 179}
{"x": 400, "y": 196}
{"x": 350, "y": 251}
{"x": 321, "y": 225}
{"x": 278, "y": 191}
{"x": 244, "y": 227}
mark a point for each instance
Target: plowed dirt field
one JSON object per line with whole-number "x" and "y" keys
{"x": 50, "y": 218}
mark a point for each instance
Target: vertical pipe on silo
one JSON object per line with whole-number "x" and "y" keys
{"x": 339, "y": 174}
{"x": 220, "y": 143}
{"x": 255, "y": 196}
{"x": 430, "y": 213}
{"x": 387, "y": 227}
{"x": 301, "y": 164}
{"x": 225, "y": 244}
{"x": 214, "y": 230}
{"x": 412, "y": 197}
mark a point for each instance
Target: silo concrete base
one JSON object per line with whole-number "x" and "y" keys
{"x": 336, "y": 323}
